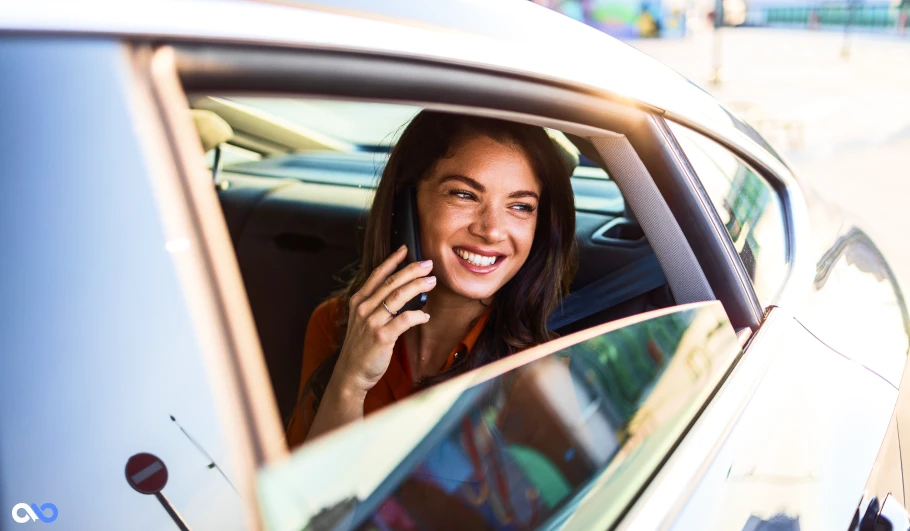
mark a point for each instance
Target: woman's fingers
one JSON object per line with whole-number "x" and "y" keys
{"x": 406, "y": 320}
{"x": 402, "y": 294}
{"x": 381, "y": 273}
{"x": 395, "y": 284}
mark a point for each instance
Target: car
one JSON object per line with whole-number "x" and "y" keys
{"x": 185, "y": 181}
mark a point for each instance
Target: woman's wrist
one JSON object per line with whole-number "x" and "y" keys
{"x": 343, "y": 389}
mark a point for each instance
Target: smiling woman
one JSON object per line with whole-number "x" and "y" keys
{"x": 497, "y": 225}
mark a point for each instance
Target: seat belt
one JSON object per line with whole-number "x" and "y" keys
{"x": 685, "y": 277}
{"x": 632, "y": 280}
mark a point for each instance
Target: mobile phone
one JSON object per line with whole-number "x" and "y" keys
{"x": 406, "y": 231}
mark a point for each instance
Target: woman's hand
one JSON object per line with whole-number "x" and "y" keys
{"x": 372, "y": 328}
{"x": 370, "y": 339}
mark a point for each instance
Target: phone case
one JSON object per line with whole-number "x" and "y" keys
{"x": 406, "y": 231}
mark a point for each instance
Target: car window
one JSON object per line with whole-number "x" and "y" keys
{"x": 568, "y": 437}
{"x": 748, "y": 206}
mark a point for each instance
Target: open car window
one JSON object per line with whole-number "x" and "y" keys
{"x": 347, "y": 143}
{"x": 564, "y": 434}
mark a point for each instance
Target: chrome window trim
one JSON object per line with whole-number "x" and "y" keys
{"x": 720, "y": 232}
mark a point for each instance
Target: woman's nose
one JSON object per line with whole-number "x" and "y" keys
{"x": 488, "y": 224}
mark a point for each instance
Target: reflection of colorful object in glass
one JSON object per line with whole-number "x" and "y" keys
{"x": 549, "y": 483}
{"x": 502, "y": 484}
{"x": 622, "y": 365}
{"x": 747, "y": 201}
{"x": 392, "y": 515}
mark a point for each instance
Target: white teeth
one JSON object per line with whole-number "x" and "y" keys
{"x": 476, "y": 259}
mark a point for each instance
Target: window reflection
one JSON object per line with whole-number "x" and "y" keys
{"x": 749, "y": 208}
{"x": 523, "y": 448}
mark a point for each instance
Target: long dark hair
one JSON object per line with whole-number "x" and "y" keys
{"x": 520, "y": 309}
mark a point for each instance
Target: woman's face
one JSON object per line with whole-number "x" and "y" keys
{"x": 478, "y": 214}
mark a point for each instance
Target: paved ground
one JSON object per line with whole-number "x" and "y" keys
{"x": 844, "y": 123}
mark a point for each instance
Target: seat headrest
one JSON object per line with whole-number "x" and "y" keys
{"x": 213, "y": 130}
{"x": 567, "y": 151}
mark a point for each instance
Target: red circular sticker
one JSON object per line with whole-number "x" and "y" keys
{"x": 146, "y": 473}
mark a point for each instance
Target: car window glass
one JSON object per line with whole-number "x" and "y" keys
{"x": 748, "y": 206}
{"x": 568, "y": 437}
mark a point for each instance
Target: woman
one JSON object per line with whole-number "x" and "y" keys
{"x": 497, "y": 230}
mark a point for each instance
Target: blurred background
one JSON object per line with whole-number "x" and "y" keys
{"x": 827, "y": 83}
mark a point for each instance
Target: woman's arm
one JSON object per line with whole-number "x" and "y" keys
{"x": 342, "y": 403}
{"x": 319, "y": 345}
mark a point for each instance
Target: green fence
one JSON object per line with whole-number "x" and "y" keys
{"x": 881, "y": 16}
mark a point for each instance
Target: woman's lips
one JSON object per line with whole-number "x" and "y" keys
{"x": 482, "y": 270}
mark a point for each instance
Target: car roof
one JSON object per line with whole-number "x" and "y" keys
{"x": 514, "y": 36}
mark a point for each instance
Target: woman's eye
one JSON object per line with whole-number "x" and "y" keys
{"x": 524, "y": 207}
{"x": 463, "y": 194}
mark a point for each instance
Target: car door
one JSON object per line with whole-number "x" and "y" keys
{"x": 114, "y": 342}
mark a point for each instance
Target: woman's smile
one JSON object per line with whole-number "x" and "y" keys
{"x": 479, "y": 261}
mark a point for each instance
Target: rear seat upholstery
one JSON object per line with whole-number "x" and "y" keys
{"x": 297, "y": 243}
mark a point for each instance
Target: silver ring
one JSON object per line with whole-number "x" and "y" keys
{"x": 384, "y": 305}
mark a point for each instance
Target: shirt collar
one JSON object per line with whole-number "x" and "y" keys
{"x": 467, "y": 344}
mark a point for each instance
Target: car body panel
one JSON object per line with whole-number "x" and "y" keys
{"x": 854, "y": 303}
{"x": 100, "y": 341}
{"x": 800, "y": 447}
{"x": 563, "y": 56}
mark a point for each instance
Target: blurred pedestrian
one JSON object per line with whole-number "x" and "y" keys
{"x": 647, "y": 24}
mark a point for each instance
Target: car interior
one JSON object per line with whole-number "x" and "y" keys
{"x": 295, "y": 178}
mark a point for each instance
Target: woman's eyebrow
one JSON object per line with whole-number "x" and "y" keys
{"x": 467, "y": 180}
{"x": 481, "y": 188}
{"x": 524, "y": 193}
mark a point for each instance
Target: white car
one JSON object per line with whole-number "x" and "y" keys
{"x": 731, "y": 353}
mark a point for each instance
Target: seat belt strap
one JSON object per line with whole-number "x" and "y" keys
{"x": 632, "y": 280}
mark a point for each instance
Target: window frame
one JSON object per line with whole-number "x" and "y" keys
{"x": 696, "y": 136}
{"x": 769, "y": 167}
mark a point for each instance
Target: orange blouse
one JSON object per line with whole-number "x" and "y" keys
{"x": 321, "y": 343}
